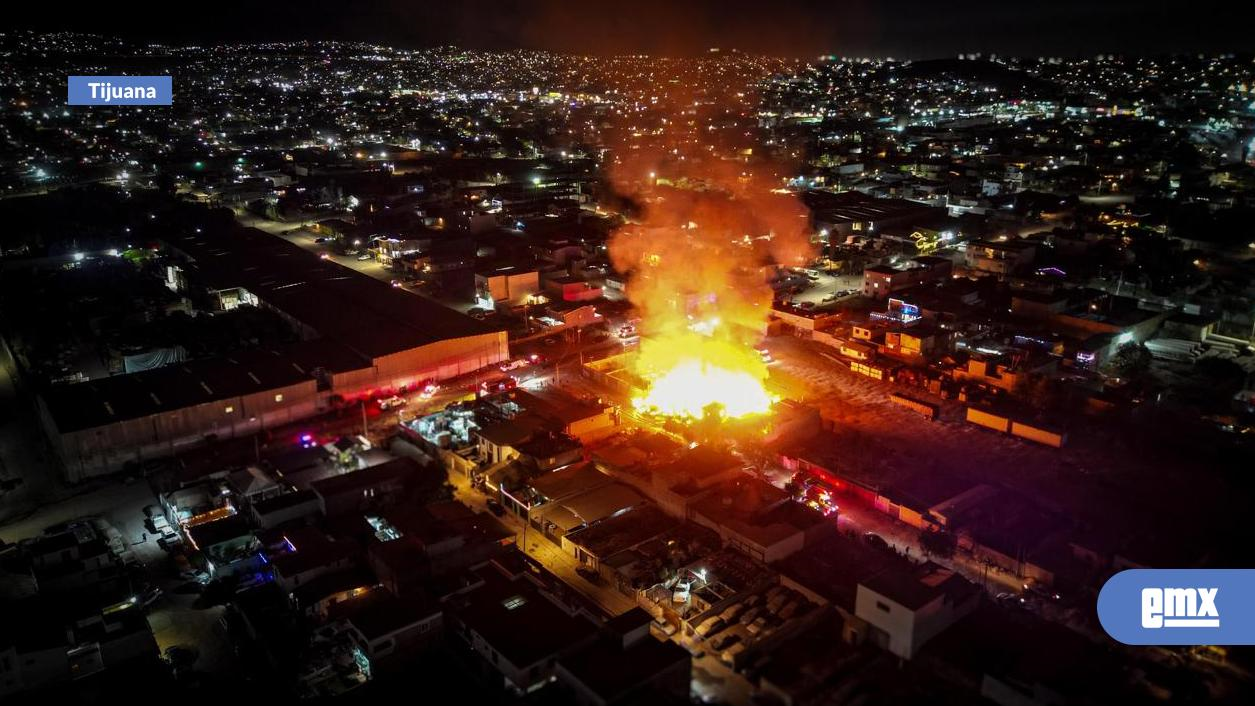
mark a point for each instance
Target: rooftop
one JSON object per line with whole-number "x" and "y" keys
{"x": 517, "y": 621}
{"x": 395, "y": 470}
{"x": 361, "y": 312}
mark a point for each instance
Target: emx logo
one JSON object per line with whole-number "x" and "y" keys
{"x": 1179, "y": 607}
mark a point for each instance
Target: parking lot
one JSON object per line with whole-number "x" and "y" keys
{"x": 117, "y": 510}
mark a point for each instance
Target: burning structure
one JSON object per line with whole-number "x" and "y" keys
{"x": 697, "y": 259}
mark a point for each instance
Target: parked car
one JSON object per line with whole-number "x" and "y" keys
{"x": 756, "y": 627}
{"x": 496, "y": 508}
{"x": 875, "y": 540}
{"x": 729, "y": 655}
{"x": 363, "y": 257}
{"x": 393, "y": 402}
{"x": 724, "y": 641}
{"x": 158, "y": 524}
{"x": 148, "y": 595}
{"x": 710, "y": 626}
{"x": 793, "y": 608}
{"x": 748, "y": 616}
{"x": 152, "y": 510}
{"x": 515, "y": 364}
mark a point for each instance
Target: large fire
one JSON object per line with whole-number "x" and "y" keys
{"x": 692, "y": 376}
{"x": 708, "y": 224}
{"x": 698, "y": 262}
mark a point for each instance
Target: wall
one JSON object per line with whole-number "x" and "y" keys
{"x": 1041, "y": 436}
{"x": 927, "y": 409}
{"x": 441, "y": 360}
{"x": 897, "y": 622}
{"x": 988, "y": 420}
{"x": 101, "y": 450}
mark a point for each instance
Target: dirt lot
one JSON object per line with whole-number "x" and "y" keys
{"x": 1141, "y": 470}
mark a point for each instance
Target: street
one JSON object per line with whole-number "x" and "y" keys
{"x": 541, "y": 549}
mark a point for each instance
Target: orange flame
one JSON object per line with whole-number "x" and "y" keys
{"x": 698, "y": 263}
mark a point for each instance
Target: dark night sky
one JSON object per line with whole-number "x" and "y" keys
{"x": 904, "y": 28}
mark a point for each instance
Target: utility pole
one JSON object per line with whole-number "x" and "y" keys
{"x": 365, "y": 428}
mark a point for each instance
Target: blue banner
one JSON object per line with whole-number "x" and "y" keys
{"x": 120, "y": 90}
{"x": 1179, "y": 607}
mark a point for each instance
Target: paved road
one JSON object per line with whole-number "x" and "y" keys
{"x": 23, "y": 450}
{"x": 296, "y": 232}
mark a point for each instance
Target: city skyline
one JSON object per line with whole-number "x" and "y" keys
{"x": 335, "y": 366}
{"x": 914, "y": 29}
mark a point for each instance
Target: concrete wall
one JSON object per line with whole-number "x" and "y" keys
{"x": 988, "y": 420}
{"x": 441, "y": 360}
{"x": 896, "y": 622}
{"x": 1038, "y": 434}
{"x": 927, "y": 409}
{"x": 102, "y": 450}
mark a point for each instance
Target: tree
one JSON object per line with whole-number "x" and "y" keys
{"x": 1131, "y": 361}
{"x": 937, "y": 543}
{"x": 1041, "y": 392}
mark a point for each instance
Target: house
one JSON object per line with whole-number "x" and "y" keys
{"x": 904, "y": 608}
{"x": 811, "y": 664}
{"x": 295, "y": 507}
{"x": 496, "y": 441}
{"x": 986, "y": 652}
{"x": 623, "y": 531}
{"x": 305, "y": 553}
{"x": 999, "y": 257}
{"x": 47, "y": 641}
{"x": 320, "y": 595}
{"x": 559, "y": 412}
{"x": 571, "y": 289}
{"x": 228, "y": 544}
{"x": 673, "y": 481}
{"x": 432, "y": 540}
{"x": 760, "y": 520}
{"x": 575, "y": 512}
{"x": 518, "y": 631}
{"x": 252, "y": 485}
{"x": 626, "y": 664}
{"x": 550, "y": 450}
{"x": 882, "y": 281}
{"x": 363, "y": 489}
{"x": 389, "y": 630}
{"x": 508, "y": 285}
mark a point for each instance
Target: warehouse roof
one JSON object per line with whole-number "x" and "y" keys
{"x": 359, "y": 311}
{"x": 107, "y": 400}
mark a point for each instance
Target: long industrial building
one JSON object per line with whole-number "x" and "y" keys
{"x": 360, "y": 335}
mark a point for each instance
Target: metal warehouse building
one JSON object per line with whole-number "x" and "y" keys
{"x": 360, "y": 334}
